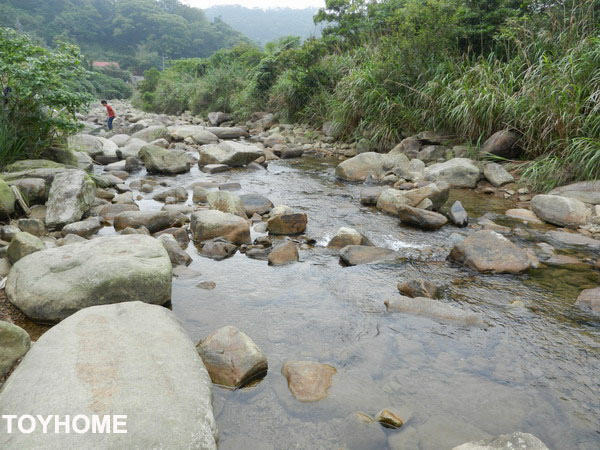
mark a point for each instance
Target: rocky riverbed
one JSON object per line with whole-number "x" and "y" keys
{"x": 337, "y": 297}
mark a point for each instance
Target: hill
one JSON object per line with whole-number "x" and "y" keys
{"x": 266, "y": 25}
{"x": 135, "y": 33}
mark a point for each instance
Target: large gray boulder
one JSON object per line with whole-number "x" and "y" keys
{"x": 584, "y": 191}
{"x": 34, "y": 190}
{"x": 488, "y": 251}
{"x": 209, "y": 224}
{"x": 497, "y": 175}
{"x": 131, "y": 149}
{"x": 92, "y": 145}
{"x": 435, "y": 309}
{"x": 516, "y": 441}
{"x": 15, "y": 343}
{"x": 502, "y": 143}
{"x": 52, "y": 284}
{"x": 348, "y": 236}
{"x": 561, "y": 211}
{"x": 228, "y": 132}
{"x": 354, "y": 255}
{"x": 152, "y": 133}
{"x": 129, "y": 359}
{"x": 421, "y": 218}
{"x": 233, "y": 154}
{"x": 391, "y": 200}
{"x": 457, "y": 172}
{"x": 153, "y": 221}
{"x": 217, "y": 118}
{"x": 361, "y": 166}
{"x": 226, "y": 202}
{"x": 72, "y": 194}
{"x": 198, "y": 133}
{"x": 23, "y": 244}
{"x": 159, "y": 160}
{"x": 256, "y": 204}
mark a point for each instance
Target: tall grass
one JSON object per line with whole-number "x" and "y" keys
{"x": 12, "y": 146}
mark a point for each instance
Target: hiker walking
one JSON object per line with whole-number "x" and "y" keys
{"x": 111, "y": 114}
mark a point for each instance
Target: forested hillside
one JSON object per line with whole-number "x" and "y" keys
{"x": 135, "y": 33}
{"x": 265, "y": 25}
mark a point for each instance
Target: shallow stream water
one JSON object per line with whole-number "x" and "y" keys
{"x": 533, "y": 368}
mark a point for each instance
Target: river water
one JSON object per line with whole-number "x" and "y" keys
{"x": 533, "y": 368}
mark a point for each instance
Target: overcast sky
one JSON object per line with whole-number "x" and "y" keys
{"x": 258, "y": 3}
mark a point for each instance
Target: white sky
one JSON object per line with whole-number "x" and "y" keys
{"x": 258, "y": 3}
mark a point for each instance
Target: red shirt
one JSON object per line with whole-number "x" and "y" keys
{"x": 110, "y": 111}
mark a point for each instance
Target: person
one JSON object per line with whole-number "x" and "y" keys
{"x": 111, "y": 114}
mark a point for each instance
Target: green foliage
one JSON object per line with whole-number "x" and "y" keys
{"x": 39, "y": 106}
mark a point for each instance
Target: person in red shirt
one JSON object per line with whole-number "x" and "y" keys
{"x": 111, "y": 114}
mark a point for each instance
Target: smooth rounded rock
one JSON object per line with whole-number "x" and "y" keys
{"x": 308, "y": 381}
{"x": 15, "y": 343}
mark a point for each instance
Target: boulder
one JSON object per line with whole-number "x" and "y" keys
{"x": 284, "y": 253}
{"x": 72, "y": 194}
{"x": 256, "y": 204}
{"x": 561, "y": 211}
{"x": 7, "y": 200}
{"x": 333, "y": 129}
{"x": 85, "y": 228}
{"x": 488, "y": 251}
{"x": 228, "y": 132}
{"x": 523, "y": 214}
{"x": 84, "y": 161}
{"x": 457, "y": 172}
{"x": 497, "y": 175}
{"x": 120, "y": 139}
{"x": 91, "y": 145}
{"x": 33, "y": 190}
{"x": 200, "y": 194}
{"x": 15, "y": 343}
{"x": 421, "y": 218}
{"x": 23, "y": 244}
{"x": 410, "y": 146}
{"x": 32, "y": 164}
{"x": 285, "y": 224}
{"x": 199, "y": 134}
{"x": 361, "y": 166}
{"x": 153, "y": 221}
{"x": 109, "y": 212}
{"x": 132, "y": 149}
{"x": 432, "y": 153}
{"x": 584, "y": 191}
{"x": 52, "y": 284}
{"x": 32, "y": 226}
{"x": 308, "y": 381}
{"x": 114, "y": 359}
{"x": 418, "y": 288}
{"x": 370, "y": 196}
{"x": 231, "y": 357}
{"x": 180, "y": 235}
{"x": 275, "y": 139}
{"x": 152, "y": 133}
{"x": 458, "y": 215}
{"x": 209, "y": 224}
{"x": 589, "y": 299}
{"x": 176, "y": 254}
{"x": 516, "y": 441}
{"x": 226, "y": 202}
{"x": 391, "y": 200}
{"x": 218, "y": 249}
{"x": 215, "y": 168}
{"x": 217, "y": 118}
{"x": 232, "y": 154}
{"x": 348, "y": 236}
{"x": 503, "y": 144}
{"x": 177, "y": 193}
{"x": 353, "y": 255}
{"x": 435, "y": 309}
{"x": 159, "y": 160}
{"x": 61, "y": 155}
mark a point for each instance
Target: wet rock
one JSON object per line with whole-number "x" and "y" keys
{"x": 261, "y": 254}
{"x": 589, "y": 299}
{"x": 210, "y": 224}
{"x": 200, "y": 195}
{"x": 230, "y": 187}
{"x": 180, "y": 235}
{"x": 575, "y": 240}
{"x": 160, "y": 160}
{"x": 290, "y": 153}
{"x": 348, "y": 236}
{"x": 418, "y": 288}
{"x": 85, "y": 228}
{"x": 228, "y": 132}
{"x": 215, "y": 168}
{"x": 32, "y": 189}
{"x": 457, "y": 172}
{"x": 561, "y": 211}
{"x": 177, "y": 193}
{"x": 370, "y": 196}
{"x": 458, "y": 215}
{"x": 176, "y": 254}
{"x": 421, "y": 218}
{"x": 256, "y": 204}
{"x": 286, "y": 224}
{"x": 308, "y": 381}
{"x": 15, "y": 344}
{"x": 524, "y": 215}
{"x": 32, "y": 226}
{"x": 497, "y": 175}
{"x": 488, "y": 251}
{"x": 72, "y": 194}
{"x": 154, "y": 221}
{"x": 231, "y": 357}
{"x": 218, "y": 249}
{"x": 23, "y": 244}
{"x": 353, "y": 255}
{"x": 368, "y": 164}
{"x": 120, "y": 358}
{"x": 524, "y": 441}
{"x": 434, "y": 309}
{"x": 389, "y": 419}
{"x": 232, "y": 154}
{"x": 391, "y": 199}
{"x": 283, "y": 254}
{"x": 489, "y": 225}
{"x": 133, "y": 164}
{"x": 502, "y": 143}
{"x": 152, "y": 133}
{"x": 584, "y": 191}
{"x": 226, "y": 202}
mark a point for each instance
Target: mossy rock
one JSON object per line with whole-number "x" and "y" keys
{"x": 61, "y": 155}
{"x": 30, "y": 164}
{"x": 7, "y": 200}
